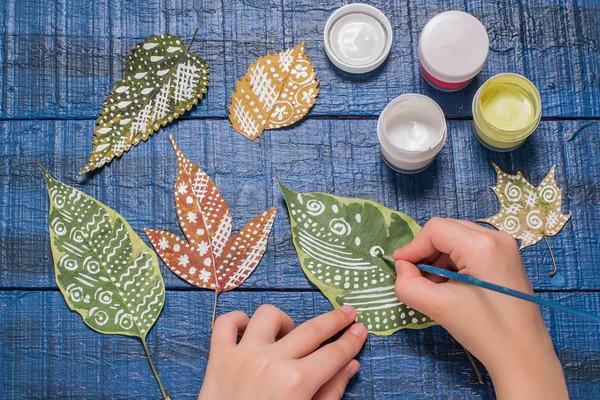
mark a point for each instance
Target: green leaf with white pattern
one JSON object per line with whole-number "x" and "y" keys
{"x": 162, "y": 81}
{"x": 103, "y": 269}
{"x": 338, "y": 241}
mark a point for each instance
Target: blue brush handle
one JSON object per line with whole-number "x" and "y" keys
{"x": 501, "y": 289}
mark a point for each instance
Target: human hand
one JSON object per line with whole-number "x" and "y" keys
{"x": 276, "y": 360}
{"x": 506, "y": 334}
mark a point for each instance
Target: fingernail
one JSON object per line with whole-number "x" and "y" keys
{"x": 358, "y": 329}
{"x": 348, "y": 309}
{"x": 353, "y": 371}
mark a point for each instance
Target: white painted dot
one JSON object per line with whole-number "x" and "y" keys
{"x": 207, "y": 261}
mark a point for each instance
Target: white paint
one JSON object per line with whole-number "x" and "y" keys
{"x": 411, "y": 131}
{"x": 123, "y": 104}
{"x": 150, "y": 46}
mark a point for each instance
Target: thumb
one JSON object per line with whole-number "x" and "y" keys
{"x": 418, "y": 292}
{"x": 334, "y": 388}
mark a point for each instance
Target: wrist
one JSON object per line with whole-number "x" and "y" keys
{"x": 529, "y": 373}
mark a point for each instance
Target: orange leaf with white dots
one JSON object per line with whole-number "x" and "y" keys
{"x": 210, "y": 258}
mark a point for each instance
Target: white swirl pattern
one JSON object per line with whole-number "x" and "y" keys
{"x": 511, "y": 224}
{"x": 315, "y": 207}
{"x": 513, "y": 192}
{"x": 549, "y": 193}
{"x": 340, "y": 226}
{"x": 533, "y": 219}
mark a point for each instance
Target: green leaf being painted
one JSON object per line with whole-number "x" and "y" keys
{"x": 338, "y": 240}
{"x": 162, "y": 80}
{"x": 103, "y": 269}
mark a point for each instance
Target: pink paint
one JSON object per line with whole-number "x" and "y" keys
{"x": 453, "y": 48}
{"x": 441, "y": 85}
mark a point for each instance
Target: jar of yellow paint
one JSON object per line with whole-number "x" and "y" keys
{"x": 506, "y": 110}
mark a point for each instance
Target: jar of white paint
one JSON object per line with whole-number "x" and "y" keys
{"x": 411, "y": 131}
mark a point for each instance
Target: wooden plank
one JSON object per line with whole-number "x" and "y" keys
{"x": 335, "y": 156}
{"x": 48, "y": 352}
{"x": 551, "y": 43}
{"x": 66, "y": 70}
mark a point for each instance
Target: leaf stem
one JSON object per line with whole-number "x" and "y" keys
{"x": 479, "y": 376}
{"x": 191, "y": 41}
{"x": 212, "y": 324}
{"x": 162, "y": 388}
{"x": 551, "y": 255}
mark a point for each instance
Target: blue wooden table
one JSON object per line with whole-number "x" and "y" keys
{"x": 57, "y": 62}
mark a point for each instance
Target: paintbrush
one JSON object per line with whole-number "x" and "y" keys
{"x": 497, "y": 288}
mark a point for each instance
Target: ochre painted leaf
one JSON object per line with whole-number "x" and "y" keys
{"x": 103, "y": 269}
{"x": 210, "y": 258}
{"x": 277, "y": 91}
{"x": 162, "y": 81}
{"x": 338, "y": 241}
{"x": 527, "y": 213}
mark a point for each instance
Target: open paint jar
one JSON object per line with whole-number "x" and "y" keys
{"x": 411, "y": 131}
{"x": 358, "y": 38}
{"x": 506, "y": 110}
{"x": 453, "y": 47}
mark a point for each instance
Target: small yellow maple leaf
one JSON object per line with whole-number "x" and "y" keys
{"x": 527, "y": 213}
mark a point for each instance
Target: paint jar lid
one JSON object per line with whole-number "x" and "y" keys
{"x": 358, "y": 38}
{"x": 453, "y": 46}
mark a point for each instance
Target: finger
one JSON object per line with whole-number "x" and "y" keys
{"x": 267, "y": 324}
{"x": 307, "y": 337}
{"x": 420, "y": 293}
{"x": 228, "y": 327}
{"x": 324, "y": 363}
{"x": 334, "y": 388}
{"x": 438, "y": 235}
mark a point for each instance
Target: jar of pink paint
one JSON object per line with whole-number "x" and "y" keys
{"x": 453, "y": 47}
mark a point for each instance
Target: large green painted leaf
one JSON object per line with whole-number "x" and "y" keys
{"x": 162, "y": 80}
{"x": 338, "y": 240}
{"x": 103, "y": 269}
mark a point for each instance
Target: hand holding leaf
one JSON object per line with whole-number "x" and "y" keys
{"x": 339, "y": 242}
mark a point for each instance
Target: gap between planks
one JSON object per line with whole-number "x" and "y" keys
{"x": 316, "y": 117}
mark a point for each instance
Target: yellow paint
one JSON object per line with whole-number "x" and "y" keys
{"x": 507, "y": 107}
{"x": 506, "y": 110}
